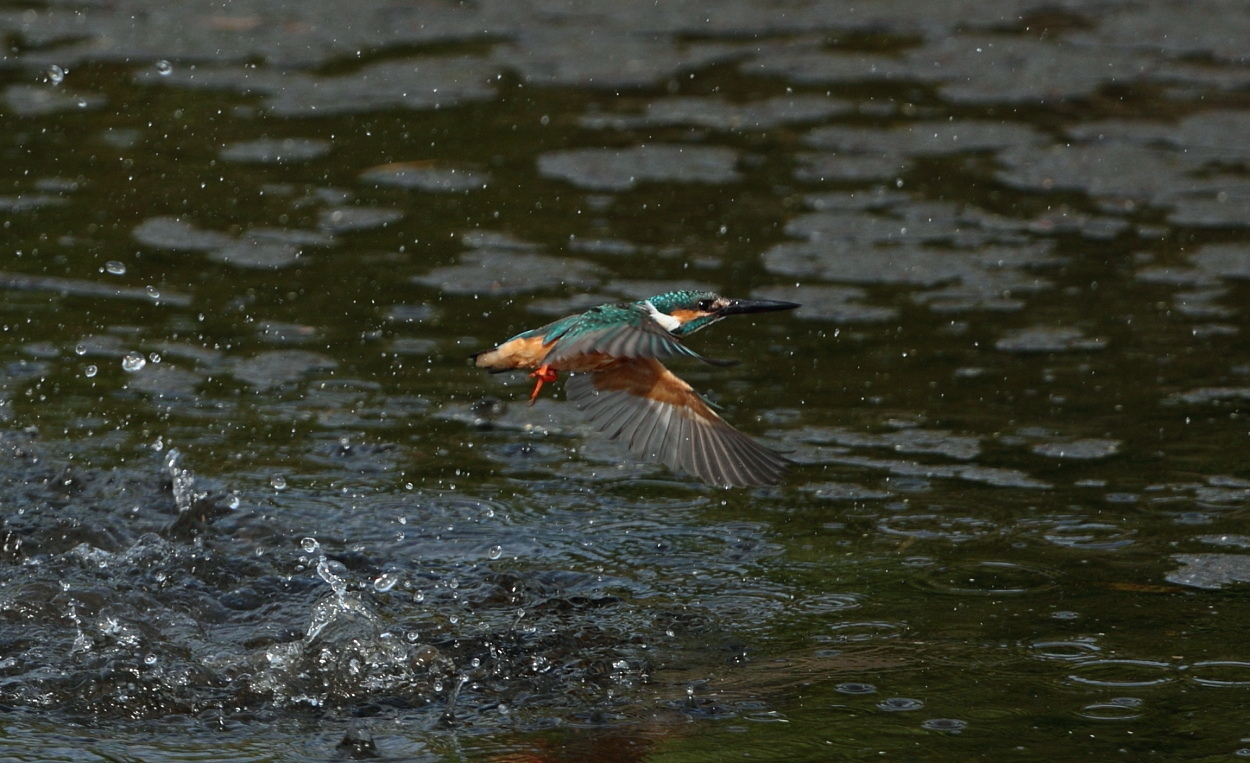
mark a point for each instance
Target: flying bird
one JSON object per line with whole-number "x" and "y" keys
{"x": 613, "y": 352}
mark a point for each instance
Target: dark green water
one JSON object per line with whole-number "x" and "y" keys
{"x": 258, "y": 506}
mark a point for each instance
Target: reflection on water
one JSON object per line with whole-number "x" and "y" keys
{"x": 251, "y": 485}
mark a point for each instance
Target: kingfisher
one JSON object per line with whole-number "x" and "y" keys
{"x": 613, "y": 352}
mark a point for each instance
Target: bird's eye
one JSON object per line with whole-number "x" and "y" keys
{"x": 705, "y": 305}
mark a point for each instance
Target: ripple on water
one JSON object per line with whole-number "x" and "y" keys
{"x": 848, "y": 632}
{"x": 829, "y": 603}
{"x": 990, "y": 578}
{"x": 278, "y": 367}
{"x": 276, "y": 150}
{"x": 427, "y": 177}
{"x": 1220, "y": 673}
{"x": 175, "y": 234}
{"x": 900, "y": 704}
{"x": 256, "y": 255}
{"x": 346, "y": 219}
{"x": 720, "y": 114}
{"x": 836, "y": 304}
{"x": 1210, "y": 570}
{"x": 1048, "y": 339}
{"x": 936, "y": 527}
{"x": 613, "y": 169}
{"x": 1077, "y": 533}
{"x": 1083, "y": 450}
{"x": 1122, "y": 673}
{"x": 503, "y": 271}
{"x": 1115, "y": 709}
{"x": 1065, "y": 651}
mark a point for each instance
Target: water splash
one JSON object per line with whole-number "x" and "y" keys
{"x": 324, "y": 570}
{"x": 182, "y": 481}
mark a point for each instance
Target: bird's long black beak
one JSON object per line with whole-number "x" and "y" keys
{"x": 743, "y": 306}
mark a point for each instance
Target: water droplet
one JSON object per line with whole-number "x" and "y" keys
{"x": 476, "y": 662}
{"x": 438, "y": 686}
{"x": 503, "y": 709}
{"x": 232, "y": 501}
{"x": 164, "y": 68}
{"x": 278, "y": 482}
{"x": 150, "y": 659}
{"x": 55, "y": 75}
{"x": 385, "y": 582}
{"x": 152, "y": 292}
{"x": 115, "y": 268}
{"x": 309, "y": 545}
{"x": 133, "y": 361}
{"x": 418, "y": 597}
{"x": 80, "y": 349}
{"x": 155, "y": 357}
{"x": 89, "y": 371}
{"x": 495, "y": 552}
{"x": 453, "y": 619}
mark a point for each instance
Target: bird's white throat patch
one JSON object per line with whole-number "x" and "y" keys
{"x": 669, "y": 323}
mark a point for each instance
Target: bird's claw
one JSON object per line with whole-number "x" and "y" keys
{"x": 543, "y": 374}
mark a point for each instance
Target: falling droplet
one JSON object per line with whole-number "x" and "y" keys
{"x": 385, "y": 582}
{"x": 90, "y": 371}
{"x": 309, "y": 545}
{"x": 80, "y": 349}
{"x": 133, "y": 361}
{"x": 115, "y": 268}
{"x": 153, "y": 293}
{"x": 164, "y": 68}
{"x": 278, "y": 482}
{"x": 495, "y": 552}
{"x": 55, "y": 75}
{"x": 233, "y": 502}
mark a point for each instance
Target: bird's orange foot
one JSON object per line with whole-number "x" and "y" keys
{"x": 543, "y": 374}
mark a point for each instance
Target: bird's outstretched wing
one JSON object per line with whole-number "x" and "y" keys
{"x": 661, "y": 418}
{"x": 619, "y": 331}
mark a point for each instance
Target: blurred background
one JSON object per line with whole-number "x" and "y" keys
{"x": 258, "y": 506}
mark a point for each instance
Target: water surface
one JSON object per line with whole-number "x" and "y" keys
{"x": 257, "y": 505}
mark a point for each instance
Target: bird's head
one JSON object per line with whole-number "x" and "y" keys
{"x": 692, "y": 310}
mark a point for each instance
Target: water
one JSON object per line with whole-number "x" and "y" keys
{"x": 257, "y": 504}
